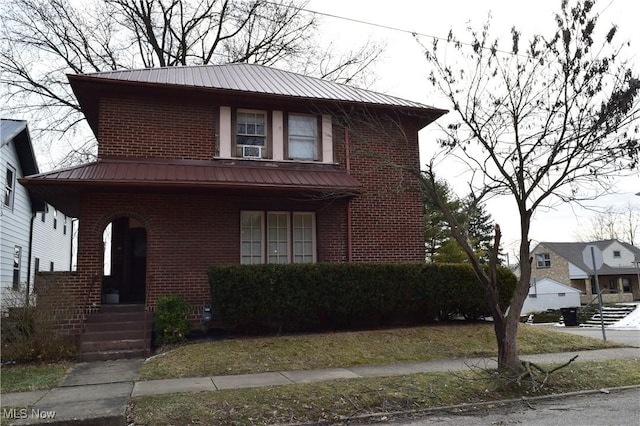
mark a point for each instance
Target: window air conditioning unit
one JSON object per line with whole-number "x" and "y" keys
{"x": 251, "y": 151}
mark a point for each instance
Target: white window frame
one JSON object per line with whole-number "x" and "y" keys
{"x": 9, "y": 187}
{"x": 274, "y": 254}
{"x": 252, "y": 256}
{"x": 238, "y": 146}
{"x": 267, "y": 254}
{"x": 17, "y": 266}
{"x": 315, "y": 138}
{"x": 301, "y": 243}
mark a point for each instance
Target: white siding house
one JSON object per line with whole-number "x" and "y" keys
{"x": 17, "y": 206}
{"x": 52, "y": 242}
{"x": 549, "y": 294}
{"x": 33, "y": 236}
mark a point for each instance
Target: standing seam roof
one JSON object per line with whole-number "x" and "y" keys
{"x": 257, "y": 79}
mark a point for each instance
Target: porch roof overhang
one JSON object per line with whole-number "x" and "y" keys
{"x": 63, "y": 188}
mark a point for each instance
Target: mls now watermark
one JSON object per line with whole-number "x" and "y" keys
{"x": 23, "y": 413}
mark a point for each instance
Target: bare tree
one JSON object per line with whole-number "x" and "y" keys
{"x": 619, "y": 223}
{"x": 42, "y": 40}
{"x": 548, "y": 121}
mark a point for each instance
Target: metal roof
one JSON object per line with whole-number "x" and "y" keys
{"x": 254, "y": 78}
{"x": 63, "y": 187}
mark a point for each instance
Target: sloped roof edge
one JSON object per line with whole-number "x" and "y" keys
{"x": 255, "y": 78}
{"x": 18, "y": 132}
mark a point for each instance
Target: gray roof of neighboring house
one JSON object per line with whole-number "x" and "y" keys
{"x": 9, "y": 129}
{"x": 573, "y": 253}
{"x": 18, "y": 132}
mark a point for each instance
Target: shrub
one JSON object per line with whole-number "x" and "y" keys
{"x": 257, "y": 298}
{"x": 171, "y": 321}
{"x": 30, "y": 330}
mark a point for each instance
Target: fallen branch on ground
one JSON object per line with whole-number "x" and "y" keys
{"x": 528, "y": 365}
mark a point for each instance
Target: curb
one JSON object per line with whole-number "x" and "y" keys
{"x": 455, "y": 409}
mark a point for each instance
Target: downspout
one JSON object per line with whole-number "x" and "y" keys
{"x": 348, "y": 165}
{"x": 33, "y": 218}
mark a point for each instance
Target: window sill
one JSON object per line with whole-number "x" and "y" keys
{"x": 271, "y": 160}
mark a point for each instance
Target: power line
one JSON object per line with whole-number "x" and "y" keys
{"x": 414, "y": 34}
{"x": 401, "y": 30}
{"x": 360, "y": 21}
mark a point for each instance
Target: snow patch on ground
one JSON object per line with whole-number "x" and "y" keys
{"x": 630, "y": 322}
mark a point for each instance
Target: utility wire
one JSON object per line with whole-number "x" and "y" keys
{"x": 414, "y": 34}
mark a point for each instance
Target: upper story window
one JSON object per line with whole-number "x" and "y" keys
{"x": 303, "y": 137}
{"x": 543, "y": 260}
{"x": 55, "y": 219}
{"x": 9, "y": 187}
{"x": 251, "y": 134}
{"x": 275, "y": 135}
{"x": 616, "y": 254}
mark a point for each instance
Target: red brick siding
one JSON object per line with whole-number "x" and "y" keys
{"x": 156, "y": 128}
{"x": 188, "y": 233}
{"x": 387, "y": 219}
{"x": 65, "y": 295}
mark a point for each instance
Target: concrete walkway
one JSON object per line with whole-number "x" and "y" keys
{"x": 97, "y": 393}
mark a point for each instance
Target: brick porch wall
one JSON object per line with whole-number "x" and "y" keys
{"x": 188, "y": 233}
{"x": 66, "y": 296}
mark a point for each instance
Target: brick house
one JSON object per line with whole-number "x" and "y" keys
{"x": 618, "y": 277}
{"x": 235, "y": 163}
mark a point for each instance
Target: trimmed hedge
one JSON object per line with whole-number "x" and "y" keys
{"x": 327, "y": 296}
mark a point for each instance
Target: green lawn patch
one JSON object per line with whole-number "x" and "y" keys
{"x": 325, "y": 350}
{"x": 21, "y": 378}
{"x": 336, "y": 400}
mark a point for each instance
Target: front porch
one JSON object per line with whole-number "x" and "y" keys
{"x": 614, "y": 289}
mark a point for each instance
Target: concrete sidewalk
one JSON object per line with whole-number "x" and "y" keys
{"x": 97, "y": 393}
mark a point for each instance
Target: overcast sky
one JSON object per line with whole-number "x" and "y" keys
{"x": 402, "y": 72}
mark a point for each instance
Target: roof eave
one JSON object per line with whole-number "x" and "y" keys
{"x": 85, "y": 88}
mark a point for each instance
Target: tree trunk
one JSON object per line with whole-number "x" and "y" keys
{"x": 506, "y": 334}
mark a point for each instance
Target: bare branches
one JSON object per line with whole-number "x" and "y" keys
{"x": 529, "y": 373}
{"x": 41, "y": 41}
{"x": 547, "y": 119}
{"x": 552, "y": 122}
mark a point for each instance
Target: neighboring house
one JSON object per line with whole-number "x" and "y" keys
{"x": 549, "y": 294}
{"x": 235, "y": 164}
{"x": 52, "y": 242}
{"x": 618, "y": 277}
{"x": 18, "y": 207}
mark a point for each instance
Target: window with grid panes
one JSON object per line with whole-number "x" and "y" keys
{"x": 251, "y": 133}
{"x": 303, "y": 245}
{"x": 303, "y": 137}
{"x": 277, "y": 237}
{"x": 251, "y": 238}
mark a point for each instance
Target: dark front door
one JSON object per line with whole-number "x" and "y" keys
{"x": 135, "y": 273}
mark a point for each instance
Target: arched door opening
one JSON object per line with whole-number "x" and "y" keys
{"x": 125, "y": 261}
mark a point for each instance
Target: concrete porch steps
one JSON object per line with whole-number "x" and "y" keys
{"x": 610, "y": 314}
{"x": 116, "y": 332}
